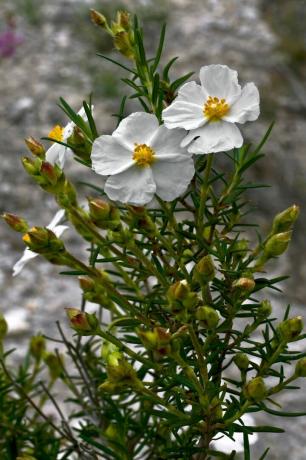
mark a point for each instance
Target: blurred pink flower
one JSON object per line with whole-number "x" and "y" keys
{"x": 9, "y": 41}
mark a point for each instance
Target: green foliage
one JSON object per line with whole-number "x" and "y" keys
{"x": 176, "y": 289}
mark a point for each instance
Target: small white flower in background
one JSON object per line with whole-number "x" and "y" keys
{"x": 28, "y": 254}
{"x": 209, "y": 111}
{"x": 142, "y": 158}
{"x": 58, "y": 153}
{"x": 227, "y": 445}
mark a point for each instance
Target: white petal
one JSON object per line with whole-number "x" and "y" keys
{"x": 109, "y": 157}
{"x": 26, "y": 257}
{"x": 172, "y": 179}
{"x": 59, "y": 230}
{"x": 167, "y": 141}
{"x": 137, "y": 128}
{"x": 56, "y": 219}
{"x": 220, "y": 81}
{"x": 218, "y": 136}
{"x": 68, "y": 130}
{"x": 55, "y": 152}
{"x": 246, "y": 108}
{"x": 187, "y": 109}
{"x": 134, "y": 186}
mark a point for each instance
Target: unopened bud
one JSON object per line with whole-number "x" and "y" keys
{"x": 256, "y": 389}
{"x": 83, "y": 323}
{"x": 111, "y": 354}
{"x": 178, "y": 290}
{"x": 55, "y": 364}
{"x": 242, "y": 361}
{"x": 208, "y": 317}
{"x": 123, "y": 44}
{"x": 265, "y": 309}
{"x": 37, "y": 347}
{"x": 290, "y": 329}
{"x": 49, "y": 172}
{"x": 43, "y": 241}
{"x": 243, "y": 285}
{"x": 98, "y": 18}
{"x": 15, "y": 222}
{"x": 300, "y": 368}
{"x": 31, "y": 166}
{"x": 123, "y": 19}
{"x": 35, "y": 147}
{"x": 284, "y": 220}
{"x": 66, "y": 195}
{"x": 157, "y": 340}
{"x": 3, "y": 327}
{"x": 277, "y": 244}
{"x": 204, "y": 270}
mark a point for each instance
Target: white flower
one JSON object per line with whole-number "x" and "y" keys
{"x": 58, "y": 153}
{"x": 28, "y": 254}
{"x": 142, "y": 158}
{"x": 227, "y": 445}
{"x": 210, "y": 110}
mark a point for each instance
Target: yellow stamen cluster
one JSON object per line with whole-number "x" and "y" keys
{"x": 143, "y": 155}
{"x": 56, "y": 133}
{"x": 215, "y": 108}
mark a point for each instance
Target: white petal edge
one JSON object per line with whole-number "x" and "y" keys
{"x": 109, "y": 157}
{"x": 26, "y": 257}
{"x": 216, "y": 137}
{"x": 220, "y": 81}
{"x": 172, "y": 179}
{"x": 135, "y": 186}
{"x": 246, "y": 108}
{"x": 182, "y": 114}
{"x": 167, "y": 141}
{"x": 56, "y": 219}
{"x": 137, "y": 128}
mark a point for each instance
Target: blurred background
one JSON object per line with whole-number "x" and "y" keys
{"x": 48, "y": 49}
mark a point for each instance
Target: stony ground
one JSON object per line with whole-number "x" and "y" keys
{"x": 57, "y": 58}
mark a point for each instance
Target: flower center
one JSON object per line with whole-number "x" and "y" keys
{"x": 143, "y": 155}
{"x": 56, "y": 133}
{"x": 215, "y": 108}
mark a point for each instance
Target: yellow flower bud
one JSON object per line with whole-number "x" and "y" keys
{"x": 15, "y": 222}
{"x": 35, "y": 147}
{"x": 204, "y": 270}
{"x": 243, "y": 285}
{"x": 43, "y": 241}
{"x": 98, "y": 19}
{"x": 208, "y": 317}
{"x": 123, "y": 44}
{"x": 300, "y": 368}
{"x": 277, "y": 244}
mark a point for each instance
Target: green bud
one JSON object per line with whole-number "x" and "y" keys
{"x": 243, "y": 286}
{"x": 178, "y": 290}
{"x": 242, "y": 361}
{"x": 3, "y": 327}
{"x": 66, "y": 194}
{"x": 31, "y": 166}
{"x": 208, "y": 317}
{"x": 123, "y": 19}
{"x": 15, "y": 222}
{"x": 50, "y": 173}
{"x": 122, "y": 42}
{"x": 121, "y": 376}
{"x": 255, "y": 389}
{"x": 300, "y": 368}
{"x": 284, "y": 220}
{"x": 157, "y": 341}
{"x": 264, "y": 310}
{"x": 111, "y": 354}
{"x": 37, "y": 347}
{"x": 35, "y": 147}
{"x": 277, "y": 244}
{"x": 55, "y": 364}
{"x": 204, "y": 270}
{"x": 83, "y": 323}
{"x": 290, "y": 329}
{"x": 43, "y": 241}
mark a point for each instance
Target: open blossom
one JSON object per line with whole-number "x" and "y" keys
{"x": 142, "y": 158}
{"x": 209, "y": 111}
{"x": 58, "y": 230}
{"x": 58, "y": 153}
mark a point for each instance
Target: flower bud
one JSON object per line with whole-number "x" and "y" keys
{"x": 3, "y": 327}
{"x": 37, "y": 347}
{"x": 242, "y": 361}
{"x": 284, "y": 220}
{"x": 35, "y": 147}
{"x": 290, "y": 329}
{"x": 15, "y": 222}
{"x": 256, "y": 389}
{"x": 83, "y": 323}
{"x": 208, "y": 317}
{"x": 66, "y": 195}
{"x": 55, "y": 364}
{"x": 31, "y": 166}
{"x": 204, "y": 270}
{"x": 111, "y": 354}
{"x": 43, "y": 241}
{"x": 123, "y": 19}
{"x": 300, "y": 368}
{"x": 98, "y": 18}
{"x": 157, "y": 340}
{"x": 264, "y": 310}
{"x": 50, "y": 173}
{"x": 123, "y": 44}
{"x": 120, "y": 376}
{"x": 277, "y": 244}
{"x": 243, "y": 286}
{"x": 178, "y": 290}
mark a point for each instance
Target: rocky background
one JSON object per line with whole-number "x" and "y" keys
{"x": 53, "y": 54}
